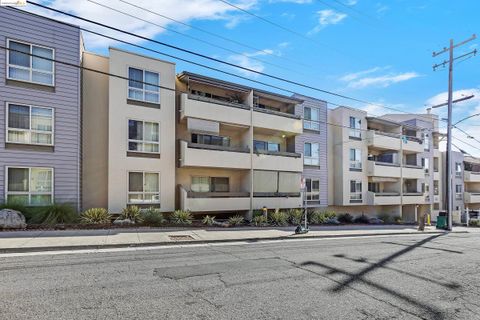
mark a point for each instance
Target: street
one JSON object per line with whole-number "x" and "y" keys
{"x": 386, "y": 277}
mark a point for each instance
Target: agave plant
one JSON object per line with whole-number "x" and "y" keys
{"x": 181, "y": 217}
{"x": 132, "y": 213}
{"x": 209, "y": 220}
{"x": 152, "y": 217}
{"x": 279, "y": 218}
{"x": 235, "y": 220}
{"x": 95, "y": 216}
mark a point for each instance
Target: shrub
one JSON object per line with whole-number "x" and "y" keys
{"x": 235, "y": 220}
{"x": 209, "y": 220}
{"x": 279, "y": 218}
{"x": 95, "y": 216}
{"x": 320, "y": 217}
{"x": 181, "y": 217}
{"x": 260, "y": 220}
{"x": 397, "y": 220}
{"x": 361, "y": 219}
{"x": 131, "y": 213}
{"x": 18, "y": 206}
{"x": 385, "y": 217}
{"x": 295, "y": 216}
{"x": 345, "y": 218}
{"x": 474, "y": 223}
{"x": 152, "y": 217}
{"x": 59, "y": 213}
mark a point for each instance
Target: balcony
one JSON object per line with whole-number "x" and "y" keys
{"x": 383, "y": 140}
{"x": 414, "y": 198}
{"x": 412, "y": 144}
{"x": 199, "y": 107}
{"x": 214, "y": 201}
{"x": 471, "y": 176}
{"x": 383, "y": 169}
{"x": 277, "y": 200}
{"x": 472, "y": 197}
{"x": 278, "y": 161}
{"x": 383, "y": 198}
{"x": 413, "y": 172}
{"x": 212, "y": 156}
{"x": 436, "y": 175}
{"x": 278, "y": 121}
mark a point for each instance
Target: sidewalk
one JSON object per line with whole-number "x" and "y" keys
{"x": 25, "y": 241}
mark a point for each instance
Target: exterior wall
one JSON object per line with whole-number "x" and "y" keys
{"x": 64, "y": 98}
{"x": 321, "y": 137}
{"x": 120, "y": 111}
{"x": 95, "y": 132}
{"x": 458, "y": 204}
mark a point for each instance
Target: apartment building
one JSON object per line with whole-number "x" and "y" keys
{"x": 39, "y": 110}
{"x": 128, "y": 131}
{"x": 313, "y": 144}
{"x": 236, "y": 147}
{"x": 380, "y": 165}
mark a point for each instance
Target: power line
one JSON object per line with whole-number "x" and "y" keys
{"x": 354, "y": 9}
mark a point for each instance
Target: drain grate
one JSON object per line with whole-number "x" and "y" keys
{"x": 181, "y": 237}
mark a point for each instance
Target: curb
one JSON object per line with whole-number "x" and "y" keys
{"x": 194, "y": 242}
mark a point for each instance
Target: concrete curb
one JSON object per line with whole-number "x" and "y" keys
{"x": 192, "y": 242}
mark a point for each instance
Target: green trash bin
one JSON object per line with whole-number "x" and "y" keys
{"x": 441, "y": 222}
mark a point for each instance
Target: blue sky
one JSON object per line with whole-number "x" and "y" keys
{"x": 375, "y": 50}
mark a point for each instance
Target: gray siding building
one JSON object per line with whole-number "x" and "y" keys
{"x": 39, "y": 110}
{"x": 313, "y": 144}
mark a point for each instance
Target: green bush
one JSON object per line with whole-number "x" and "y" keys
{"x": 131, "y": 213}
{"x": 260, "y": 220}
{"x": 295, "y": 216}
{"x": 361, "y": 219}
{"x": 152, "y": 217}
{"x": 18, "y": 206}
{"x": 279, "y": 218}
{"x": 181, "y": 217}
{"x": 474, "y": 223}
{"x": 345, "y": 218}
{"x": 320, "y": 217}
{"x": 95, "y": 216}
{"x": 385, "y": 217}
{"x": 59, "y": 213}
{"x": 397, "y": 220}
{"x": 209, "y": 220}
{"x": 235, "y": 220}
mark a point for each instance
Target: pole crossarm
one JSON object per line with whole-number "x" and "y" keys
{"x": 454, "y": 101}
{"x": 473, "y": 52}
{"x": 473, "y": 37}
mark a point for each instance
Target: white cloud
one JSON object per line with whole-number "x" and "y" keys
{"x": 367, "y": 78}
{"x": 352, "y": 76}
{"x": 292, "y": 1}
{"x": 443, "y": 97}
{"x": 327, "y": 17}
{"x": 351, "y": 2}
{"x": 190, "y": 10}
{"x": 248, "y": 60}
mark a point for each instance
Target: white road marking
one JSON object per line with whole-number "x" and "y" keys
{"x": 193, "y": 245}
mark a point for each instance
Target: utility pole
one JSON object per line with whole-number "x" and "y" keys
{"x": 449, "y": 176}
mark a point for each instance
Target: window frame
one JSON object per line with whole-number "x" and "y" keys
{"x": 307, "y": 160}
{"x": 360, "y": 193}
{"x": 309, "y": 195}
{"x": 143, "y": 202}
{"x": 30, "y": 69}
{"x": 358, "y": 164}
{"x": 143, "y": 84}
{"x": 210, "y": 183}
{"x": 29, "y": 192}
{"x": 458, "y": 165}
{"x": 267, "y": 145}
{"x": 316, "y": 122}
{"x": 30, "y": 130}
{"x": 355, "y": 132}
{"x": 143, "y": 137}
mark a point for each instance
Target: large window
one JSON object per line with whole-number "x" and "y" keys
{"x": 355, "y": 191}
{"x": 311, "y": 119}
{"x": 31, "y": 63}
{"x": 210, "y": 139}
{"x": 311, "y": 154}
{"x": 355, "y": 127}
{"x": 458, "y": 192}
{"x": 143, "y": 187}
{"x": 143, "y": 136}
{"x": 29, "y": 125}
{"x": 355, "y": 159}
{"x": 210, "y": 184}
{"x": 426, "y": 164}
{"x": 143, "y": 85}
{"x": 267, "y": 146}
{"x": 458, "y": 169}
{"x": 313, "y": 189}
{"x": 30, "y": 186}
{"x": 426, "y": 141}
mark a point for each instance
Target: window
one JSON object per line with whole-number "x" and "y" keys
{"x": 311, "y": 119}
{"x": 30, "y": 186}
{"x": 435, "y": 188}
{"x": 355, "y": 126}
{"x": 458, "y": 169}
{"x": 29, "y": 125}
{"x": 355, "y": 191}
{"x": 458, "y": 192}
{"x": 313, "y": 189}
{"x": 210, "y": 140}
{"x": 426, "y": 141}
{"x": 267, "y": 146}
{"x": 426, "y": 164}
{"x": 355, "y": 159}
{"x": 143, "y": 85}
{"x": 143, "y": 187}
{"x": 210, "y": 184}
{"x": 31, "y": 63}
{"x": 143, "y": 136}
{"x": 311, "y": 154}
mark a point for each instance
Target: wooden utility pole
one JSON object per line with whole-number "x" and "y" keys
{"x": 448, "y": 171}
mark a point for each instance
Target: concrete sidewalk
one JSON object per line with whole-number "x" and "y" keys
{"x": 25, "y": 241}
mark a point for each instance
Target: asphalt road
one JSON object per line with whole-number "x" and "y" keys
{"x": 402, "y": 277}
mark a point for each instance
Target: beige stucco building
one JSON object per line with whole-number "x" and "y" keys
{"x": 128, "y": 132}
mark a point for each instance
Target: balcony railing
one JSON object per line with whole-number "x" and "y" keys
{"x": 278, "y": 153}
{"x": 218, "y": 147}
{"x": 276, "y": 194}
{"x": 277, "y": 113}
{"x": 193, "y": 194}
{"x": 218, "y": 101}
